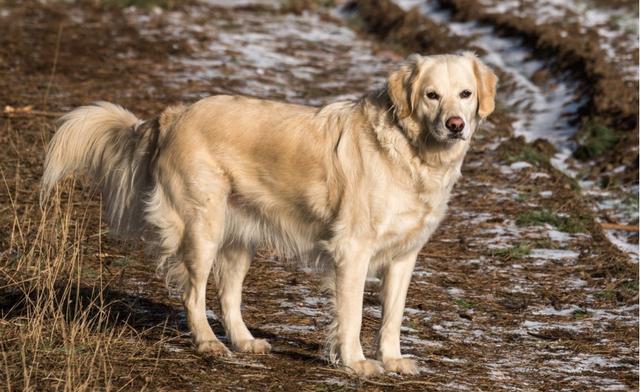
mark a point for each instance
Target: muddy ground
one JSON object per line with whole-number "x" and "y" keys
{"x": 519, "y": 289}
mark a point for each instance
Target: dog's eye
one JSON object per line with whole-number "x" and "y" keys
{"x": 465, "y": 94}
{"x": 432, "y": 95}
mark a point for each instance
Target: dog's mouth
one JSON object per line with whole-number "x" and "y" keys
{"x": 439, "y": 137}
{"x": 453, "y": 136}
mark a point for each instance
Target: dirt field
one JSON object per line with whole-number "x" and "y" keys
{"x": 519, "y": 289}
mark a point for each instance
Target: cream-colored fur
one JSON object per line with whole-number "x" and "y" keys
{"x": 355, "y": 187}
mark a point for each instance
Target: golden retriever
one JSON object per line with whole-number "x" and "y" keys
{"x": 357, "y": 187}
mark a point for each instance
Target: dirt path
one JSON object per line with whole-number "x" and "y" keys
{"x": 518, "y": 290}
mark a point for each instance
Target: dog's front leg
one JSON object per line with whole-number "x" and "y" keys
{"x": 395, "y": 283}
{"x": 351, "y": 273}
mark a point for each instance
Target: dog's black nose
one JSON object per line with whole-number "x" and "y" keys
{"x": 455, "y": 124}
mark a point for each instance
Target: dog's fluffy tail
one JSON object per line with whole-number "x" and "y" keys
{"x": 114, "y": 148}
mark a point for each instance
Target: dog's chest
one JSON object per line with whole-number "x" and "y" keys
{"x": 412, "y": 216}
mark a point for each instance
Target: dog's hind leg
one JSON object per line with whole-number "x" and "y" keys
{"x": 202, "y": 239}
{"x": 229, "y": 272}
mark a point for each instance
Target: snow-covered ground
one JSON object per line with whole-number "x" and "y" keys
{"x": 617, "y": 28}
{"x": 297, "y": 58}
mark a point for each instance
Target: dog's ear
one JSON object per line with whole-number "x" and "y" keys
{"x": 487, "y": 82}
{"x": 399, "y": 86}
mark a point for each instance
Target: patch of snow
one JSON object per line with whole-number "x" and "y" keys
{"x": 342, "y": 382}
{"x": 506, "y": 170}
{"x": 315, "y": 301}
{"x": 537, "y": 325}
{"x": 413, "y": 311}
{"x": 505, "y": 193}
{"x": 372, "y": 280}
{"x": 506, "y": 234}
{"x": 550, "y": 311}
{"x": 559, "y": 236}
{"x": 452, "y": 360}
{"x": 210, "y": 315}
{"x": 520, "y": 165}
{"x": 620, "y": 241}
{"x": 422, "y": 274}
{"x": 299, "y": 308}
{"x": 374, "y": 311}
{"x": 256, "y": 55}
{"x": 416, "y": 341}
{"x": 535, "y": 175}
{"x": 553, "y": 254}
{"x": 173, "y": 349}
{"x": 237, "y": 3}
{"x": 455, "y": 292}
{"x": 576, "y": 283}
{"x": 290, "y": 328}
{"x": 476, "y": 218}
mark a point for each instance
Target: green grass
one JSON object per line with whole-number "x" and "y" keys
{"x": 538, "y": 218}
{"x": 545, "y": 243}
{"x": 606, "y": 294}
{"x": 580, "y": 314}
{"x": 515, "y": 252}
{"x": 631, "y": 285}
{"x": 120, "y": 261}
{"x": 625, "y": 290}
{"x": 524, "y": 196}
{"x": 463, "y": 303}
{"x": 630, "y": 203}
{"x": 595, "y": 140}
{"x": 527, "y": 153}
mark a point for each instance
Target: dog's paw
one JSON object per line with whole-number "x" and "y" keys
{"x": 401, "y": 365}
{"x": 365, "y": 368}
{"x": 255, "y": 346}
{"x": 214, "y": 348}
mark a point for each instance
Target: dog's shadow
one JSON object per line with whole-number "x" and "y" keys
{"x": 150, "y": 319}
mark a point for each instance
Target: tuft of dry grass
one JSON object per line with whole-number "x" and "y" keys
{"x": 57, "y": 329}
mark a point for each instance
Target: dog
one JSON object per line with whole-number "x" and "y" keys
{"x": 357, "y": 187}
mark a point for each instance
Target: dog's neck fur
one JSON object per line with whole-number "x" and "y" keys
{"x": 420, "y": 160}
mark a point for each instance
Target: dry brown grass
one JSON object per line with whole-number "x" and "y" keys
{"x": 57, "y": 329}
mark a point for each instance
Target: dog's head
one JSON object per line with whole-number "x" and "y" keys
{"x": 439, "y": 100}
